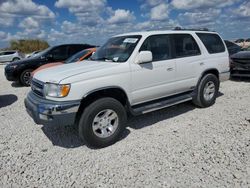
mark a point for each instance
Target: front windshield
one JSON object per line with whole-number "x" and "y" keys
{"x": 77, "y": 56}
{"x": 117, "y": 49}
{"x": 44, "y": 52}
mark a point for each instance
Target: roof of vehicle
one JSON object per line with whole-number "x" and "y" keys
{"x": 165, "y": 32}
{"x": 73, "y": 44}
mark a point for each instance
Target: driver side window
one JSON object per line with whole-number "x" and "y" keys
{"x": 159, "y": 45}
{"x": 60, "y": 53}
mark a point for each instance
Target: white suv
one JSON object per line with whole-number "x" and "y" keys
{"x": 8, "y": 56}
{"x": 131, "y": 73}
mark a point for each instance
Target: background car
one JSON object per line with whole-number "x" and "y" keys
{"x": 240, "y": 64}
{"x": 32, "y": 54}
{"x": 12, "y": 55}
{"x": 21, "y": 70}
{"x": 232, "y": 47}
{"x": 78, "y": 57}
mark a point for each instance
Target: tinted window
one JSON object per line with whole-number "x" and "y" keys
{"x": 78, "y": 56}
{"x": 185, "y": 45}
{"x": 60, "y": 53}
{"x": 212, "y": 42}
{"x": 159, "y": 45}
{"x": 8, "y": 53}
{"x": 74, "y": 49}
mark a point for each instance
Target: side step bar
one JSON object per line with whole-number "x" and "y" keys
{"x": 161, "y": 103}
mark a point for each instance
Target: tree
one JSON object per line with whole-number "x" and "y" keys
{"x": 28, "y": 45}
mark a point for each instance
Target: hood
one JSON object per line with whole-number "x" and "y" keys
{"x": 45, "y": 67}
{"x": 26, "y": 60}
{"x": 241, "y": 55}
{"x": 58, "y": 73}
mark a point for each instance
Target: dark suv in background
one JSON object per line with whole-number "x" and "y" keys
{"x": 21, "y": 70}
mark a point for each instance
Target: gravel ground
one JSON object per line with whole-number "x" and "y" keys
{"x": 181, "y": 146}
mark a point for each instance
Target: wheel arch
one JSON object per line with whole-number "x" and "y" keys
{"x": 115, "y": 92}
{"x": 209, "y": 71}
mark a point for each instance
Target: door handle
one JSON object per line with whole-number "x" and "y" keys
{"x": 170, "y": 69}
{"x": 202, "y": 63}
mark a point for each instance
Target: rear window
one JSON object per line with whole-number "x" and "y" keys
{"x": 212, "y": 42}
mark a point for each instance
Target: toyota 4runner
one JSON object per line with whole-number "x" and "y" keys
{"x": 131, "y": 73}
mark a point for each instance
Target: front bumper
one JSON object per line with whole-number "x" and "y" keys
{"x": 10, "y": 75}
{"x": 46, "y": 112}
{"x": 224, "y": 76}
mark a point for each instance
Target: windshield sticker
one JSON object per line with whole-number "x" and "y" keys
{"x": 130, "y": 40}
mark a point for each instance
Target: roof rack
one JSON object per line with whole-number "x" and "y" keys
{"x": 183, "y": 29}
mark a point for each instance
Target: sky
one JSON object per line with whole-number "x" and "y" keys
{"x": 94, "y": 21}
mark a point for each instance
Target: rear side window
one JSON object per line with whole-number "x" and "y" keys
{"x": 159, "y": 45}
{"x": 9, "y": 53}
{"x": 74, "y": 49}
{"x": 60, "y": 53}
{"x": 185, "y": 45}
{"x": 212, "y": 42}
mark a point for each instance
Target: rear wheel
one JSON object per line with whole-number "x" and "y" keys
{"x": 25, "y": 77}
{"x": 102, "y": 122}
{"x": 207, "y": 91}
{"x": 16, "y": 59}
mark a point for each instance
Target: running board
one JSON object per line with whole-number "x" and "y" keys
{"x": 160, "y": 104}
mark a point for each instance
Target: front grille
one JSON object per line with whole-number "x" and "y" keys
{"x": 37, "y": 87}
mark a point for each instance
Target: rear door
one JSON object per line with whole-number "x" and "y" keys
{"x": 217, "y": 54}
{"x": 8, "y": 56}
{"x": 188, "y": 61}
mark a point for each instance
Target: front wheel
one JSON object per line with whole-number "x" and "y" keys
{"x": 207, "y": 91}
{"x": 102, "y": 122}
{"x": 25, "y": 77}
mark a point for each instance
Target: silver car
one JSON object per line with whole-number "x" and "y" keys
{"x": 12, "y": 55}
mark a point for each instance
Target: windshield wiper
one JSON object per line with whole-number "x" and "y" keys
{"x": 103, "y": 59}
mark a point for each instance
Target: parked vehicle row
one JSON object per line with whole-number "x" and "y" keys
{"x": 78, "y": 57}
{"x": 21, "y": 70}
{"x": 133, "y": 73}
{"x": 245, "y": 43}
{"x": 11, "y": 55}
{"x": 240, "y": 64}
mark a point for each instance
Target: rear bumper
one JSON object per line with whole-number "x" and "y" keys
{"x": 46, "y": 112}
{"x": 224, "y": 76}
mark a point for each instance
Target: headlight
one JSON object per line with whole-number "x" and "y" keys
{"x": 11, "y": 66}
{"x": 56, "y": 90}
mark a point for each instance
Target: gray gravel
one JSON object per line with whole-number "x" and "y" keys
{"x": 181, "y": 146}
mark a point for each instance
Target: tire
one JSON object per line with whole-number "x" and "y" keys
{"x": 92, "y": 122}
{"x": 207, "y": 91}
{"x": 16, "y": 59}
{"x": 25, "y": 77}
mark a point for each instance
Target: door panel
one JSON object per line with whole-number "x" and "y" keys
{"x": 152, "y": 80}
{"x": 188, "y": 61}
{"x": 155, "y": 79}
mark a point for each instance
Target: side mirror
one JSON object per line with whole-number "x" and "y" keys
{"x": 144, "y": 57}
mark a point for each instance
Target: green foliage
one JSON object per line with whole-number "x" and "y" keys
{"x": 28, "y": 46}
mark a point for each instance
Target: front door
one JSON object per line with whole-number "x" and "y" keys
{"x": 154, "y": 80}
